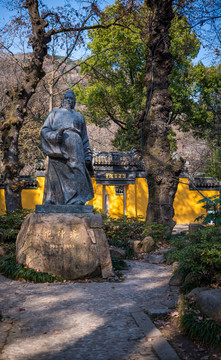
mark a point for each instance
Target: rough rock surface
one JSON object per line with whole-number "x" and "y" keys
{"x": 136, "y": 246}
{"x": 195, "y": 227}
{"x": 177, "y": 279}
{"x": 117, "y": 252}
{"x": 72, "y": 246}
{"x": 191, "y": 278}
{"x": 192, "y": 295}
{"x": 209, "y": 302}
{"x": 175, "y": 266}
{"x": 156, "y": 258}
{"x": 144, "y": 245}
{"x": 147, "y": 243}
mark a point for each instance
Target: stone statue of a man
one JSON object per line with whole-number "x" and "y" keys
{"x": 65, "y": 141}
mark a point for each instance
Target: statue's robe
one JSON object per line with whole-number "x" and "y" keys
{"x": 67, "y": 180}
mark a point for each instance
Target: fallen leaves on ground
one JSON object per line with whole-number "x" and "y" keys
{"x": 174, "y": 313}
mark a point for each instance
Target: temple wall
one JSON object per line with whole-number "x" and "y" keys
{"x": 186, "y": 205}
{"x": 32, "y": 197}
{"x": 2, "y": 202}
{"x": 142, "y": 197}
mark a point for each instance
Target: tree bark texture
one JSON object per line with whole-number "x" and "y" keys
{"x": 163, "y": 169}
{"x": 15, "y": 114}
{"x": 33, "y": 73}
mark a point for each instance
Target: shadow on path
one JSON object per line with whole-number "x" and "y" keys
{"x": 88, "y": 321}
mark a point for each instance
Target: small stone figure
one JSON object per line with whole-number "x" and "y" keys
{"x": 65, "y": 141}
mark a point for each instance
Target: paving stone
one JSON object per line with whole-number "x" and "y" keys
{"x": 159, "y": 311}
{"x": 144, "y": 322}
{"x": 156, "y": 258}
{"x": 86, "y": 321}
{"x": 164, "y": 350}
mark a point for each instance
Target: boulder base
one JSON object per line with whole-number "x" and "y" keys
{"x": 209, "y": 302}
{"x": 73, "y": 246}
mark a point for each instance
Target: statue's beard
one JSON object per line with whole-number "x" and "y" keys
{"x": 68, "y": 105}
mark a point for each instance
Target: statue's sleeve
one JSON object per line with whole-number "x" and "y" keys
{"x": 87, "y": 149}
{"x": 49, "y": 137}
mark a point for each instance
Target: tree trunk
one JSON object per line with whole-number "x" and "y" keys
{"x": 11, "y": 164}
{"x": 162, "y": 167}
{"x": 16, "y": 112}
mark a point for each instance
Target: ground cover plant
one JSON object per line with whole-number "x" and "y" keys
{"x": 11, "y": 269}
{"x": 157, "y": 231}
{"x": 199, "y": 254}
{"x": 198, "y": 326}
{"x": 199, "y": 258}
{"x": 10, "y": 223}
{"x": 121, "y": 232}
{"x": 186, "y": 348}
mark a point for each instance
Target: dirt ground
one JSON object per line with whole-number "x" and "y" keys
{"x": 184, "y": 346}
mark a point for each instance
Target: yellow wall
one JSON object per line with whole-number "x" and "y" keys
{"x": 29, "y": 197}
{"x": 97, "y": 201}
{"x": 186, "y": 205}
{"x": 116, "y": 202}
{"x": 131, "y": 200}
{"x": 136, "y": 199}
{"x": 32, "y": 197}
{"x": 142, "y": 196}
{"x": 2, "y": 202}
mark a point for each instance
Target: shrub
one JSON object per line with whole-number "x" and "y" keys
{"x": 213, "y": 205}
{"x": 118, "y": 264}
{"x": 178, "y": 241}
{"x": 197, "y": 326}
{"x": 121, "y": 231}
{"x": 189, "y": 286}
{"x": 11, "y": 222}
{"x": 157, "y": 231}
{"x": 199, "y": 253}
{"x": 124, "y": 228}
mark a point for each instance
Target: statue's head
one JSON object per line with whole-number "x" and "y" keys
{"x": 69, "y": 100}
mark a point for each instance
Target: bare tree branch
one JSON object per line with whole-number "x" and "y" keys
{"x": 12, "y": 56}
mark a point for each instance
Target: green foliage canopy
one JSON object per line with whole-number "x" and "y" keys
{"x": 203, "y": 104}
{"x": 198, "y": 107}
{"x": 115, "y": 90}
{"x": 116, "y": 73}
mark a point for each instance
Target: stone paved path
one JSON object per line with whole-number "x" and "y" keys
{"x": 86, "y": 321}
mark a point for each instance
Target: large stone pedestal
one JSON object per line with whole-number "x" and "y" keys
{"x": 73, "y": 246}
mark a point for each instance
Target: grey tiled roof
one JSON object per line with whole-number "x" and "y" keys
{"x": 204, "y": 183}
{"x": 30, "y": 182}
